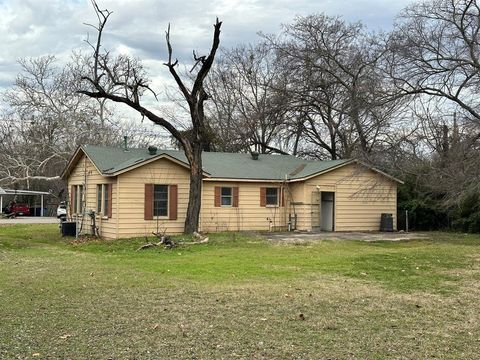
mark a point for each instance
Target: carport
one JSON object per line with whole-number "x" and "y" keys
{"x": 14, "y": 192}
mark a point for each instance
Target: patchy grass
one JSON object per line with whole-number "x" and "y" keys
{"x": 238, "y": 296}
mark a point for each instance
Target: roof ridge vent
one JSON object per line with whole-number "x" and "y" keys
{"x": 152, "y": 150}
{"x": 254, "y": 155}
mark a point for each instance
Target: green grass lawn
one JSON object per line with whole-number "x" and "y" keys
{"x": 237, "y": 296}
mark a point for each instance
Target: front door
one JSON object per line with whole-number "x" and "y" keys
{"x": 327, "y": 210}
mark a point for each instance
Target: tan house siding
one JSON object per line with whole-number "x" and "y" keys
{"x": 298, "y": 204}
{"x": 361, "y": 196}
{"x": 131, "y": 221}
{"x": 87, "y": 175}
{"x": 249, "y": 215}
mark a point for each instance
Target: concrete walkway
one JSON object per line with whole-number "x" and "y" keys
{"x": 363, "y": 236}
{"x": 29, "y": 220}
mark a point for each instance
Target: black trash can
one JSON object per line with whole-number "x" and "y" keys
{"x": 69, "y": 228}
{"x": 386, "y": 222}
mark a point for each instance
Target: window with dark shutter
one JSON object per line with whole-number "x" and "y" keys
{"x": 108, "y": 205}
{"x": 271, "y": 196}
{"x": 263, "y": 195}
{"x": 226, "y": 196}
{"x": 104, "y": 199}
{"x": 80, "y": 199}
{"x": 173, "y": 202}
{"x": 160, "y": 200}
{"x": 99, "y": 198}
{"x": 148, "y": 202}
{"x": 217, "y": 196}
{"x": 76, "y": 199}
{"x": 235, "y": 197}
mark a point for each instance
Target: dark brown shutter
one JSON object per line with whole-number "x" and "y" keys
{"x": 235, "y": 196}
{"x": 72, "y": 191}
{"x": 218, "y": 190}
{"x": 109, "y": 194}
{"x": 282, "y": 190}
{"x": 148, "y": 213}
{"x": 263, "y": 196}
{"x": 172, "y": 202}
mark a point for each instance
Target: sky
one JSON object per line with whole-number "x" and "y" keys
{"x": 32, "y": 28}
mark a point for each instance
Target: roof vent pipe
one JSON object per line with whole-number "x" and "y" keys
{"x": 125, "y": 143}
{"x": 254, "y": 155}
{"x": 152, "y": 150}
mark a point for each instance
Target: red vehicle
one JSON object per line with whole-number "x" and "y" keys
{"x": 18, "y": 209}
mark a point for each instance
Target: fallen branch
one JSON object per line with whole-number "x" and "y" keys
{"x": 146, "y": 246}
{"x": 195, "y": 242}
{"x": 164, "y": 240}
{"x": 169, "y": 243}
{"x": 201, "y": 239}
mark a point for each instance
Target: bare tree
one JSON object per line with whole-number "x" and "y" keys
{"x": 246, "y": 109}
{"x": 123, "y": 80}
{"x": 45, "y": 120}
{"x": 335, "y": 83}
{"x": 433, "y": 57}
{"x": 435, "y": 51}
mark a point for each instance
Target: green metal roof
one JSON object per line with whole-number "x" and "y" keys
{"x": 111, "y": 161}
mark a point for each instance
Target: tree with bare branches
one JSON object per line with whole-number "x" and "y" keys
{"x": 335, "y": 85}
{"x": 44, "y": 120}
{"x": 435, "y": 51}
{"x": 122, "y": 79}
{"x": 246, "y": 110}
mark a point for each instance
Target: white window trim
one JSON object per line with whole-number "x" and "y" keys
{"x": 226, "y": 196}
{"x": 278, "y": 198}
{"x": 77, "y": 205}
{"x": 103, "y": 213}
{"x": 168, "y": 202}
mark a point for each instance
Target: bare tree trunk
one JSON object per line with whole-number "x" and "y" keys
{"x": 355, "y": 117}
{"x": 106, "y": 80}
{"x": 195, "y": 196}
{"x": 298, "y": 137}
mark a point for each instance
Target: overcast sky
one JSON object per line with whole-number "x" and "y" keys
{"x": 32, "y": 28}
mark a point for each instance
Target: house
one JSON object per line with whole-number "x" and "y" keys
{"x": 133, "y": 192}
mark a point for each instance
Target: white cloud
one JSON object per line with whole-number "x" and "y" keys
{"x": 32, "y": 28}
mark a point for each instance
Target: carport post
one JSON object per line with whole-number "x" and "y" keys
{"x": 1, "y": 204}
{"x": 41, "y": 205}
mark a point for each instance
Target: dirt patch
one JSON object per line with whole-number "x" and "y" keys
{"x": 302, "y": 237}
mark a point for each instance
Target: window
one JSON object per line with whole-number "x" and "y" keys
{"x": 77, "y": 199}
{"x": 80, "y": 199}
{"x": 106, "y": 199}
{"x": 271, "y": 196}
{"x": 99, "y": 198}
{"x": 226, "y": 196}
{"x": 160, "y": 200}
{"x": 102, "y": 199}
